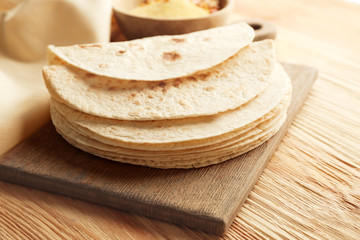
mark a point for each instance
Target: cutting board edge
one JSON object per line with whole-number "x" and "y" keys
{"x": 215, "y": 224}
{"x": 313, "y": 74}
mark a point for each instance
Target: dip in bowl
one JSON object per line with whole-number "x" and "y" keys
{"x": 155, "y": 21}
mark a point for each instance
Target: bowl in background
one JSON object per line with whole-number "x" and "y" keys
{"x": 138, "y": 27}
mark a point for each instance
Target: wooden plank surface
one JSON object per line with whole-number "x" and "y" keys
{"x": 205, "y": 199}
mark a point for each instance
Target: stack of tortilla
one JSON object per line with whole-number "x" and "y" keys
{"x": 179, "y": 101}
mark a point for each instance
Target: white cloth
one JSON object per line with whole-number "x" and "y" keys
{"x": 26, "y": 28}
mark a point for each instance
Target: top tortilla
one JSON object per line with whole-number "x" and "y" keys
{"x": 157, "y": 58}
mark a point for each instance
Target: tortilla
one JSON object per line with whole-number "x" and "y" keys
{"x": 224, "y": 87}
{"x": 70, "y": 131}
{"x": 180, "y": 133}
{"x": 157, "y": 58}
{"x": 193, "y": 159}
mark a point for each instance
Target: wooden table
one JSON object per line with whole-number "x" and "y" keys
{"x": 311, "y": 186}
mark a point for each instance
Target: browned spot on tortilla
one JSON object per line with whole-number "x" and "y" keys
{"x": 192, "y": 78}
{"x": 113, "y": 88}
{"x": 103, "y": 65}
{"x": 134, "y": 113}
{"x": 133, "y": 86}
{"x": 162, "y": 84}
{"x": 171, "y": 56}
{"x": 137, "y": 102}
{"x": 210, "y": 88}
{"x": 182, "y": 103}
{"x": 136, "y": 46}
{"x": 89, "y": 46}
{"x": 89, "y": 75}
{"x": 108, "y": 81}
{"x": 150, "y": 96}
{"x": 224, "y": 75}
{"x": 120, "y": 52}
{"x": 204, "y": 76}
{"x": 207, "y": 39}
{"x": 268, "y": 61}
{"x": 94, "y": 86}
{"x": 178, "y": 40}
{"x": 177, "y": 82}
{"x": 133, "y": 95}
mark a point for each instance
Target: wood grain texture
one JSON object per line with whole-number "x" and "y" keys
{"x": 310, "y": 187}
{"x": 206, "y": 199}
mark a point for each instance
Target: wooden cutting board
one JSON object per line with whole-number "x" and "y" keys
{"x": 206, "y": 199}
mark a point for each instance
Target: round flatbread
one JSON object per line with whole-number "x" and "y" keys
{"x": 160, "y": 57}
{"x": 70, "y": 131}
{"x": 173, "y": 161}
